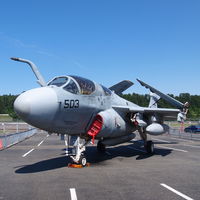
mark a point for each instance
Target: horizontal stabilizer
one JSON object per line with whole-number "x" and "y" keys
{"x": 166, "y": 97}
{"x": 121, "y": 86}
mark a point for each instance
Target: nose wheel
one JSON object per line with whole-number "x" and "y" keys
{"x": 82, "y": 161}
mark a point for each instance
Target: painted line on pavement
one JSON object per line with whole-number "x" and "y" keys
{"x": 176, "y": 192}
{"x": 182, "y": 139}
{"x": 136, "y": 149}
{"x": 28, "y": 153}
{"x": 40, "y": 143}
{"x": 164, "y": 147}
{"x": 161, "y": 140}
{"x": 188, "y": 145}
{"x": 73, "y": 194}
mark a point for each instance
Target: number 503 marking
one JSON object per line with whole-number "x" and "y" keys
{"x": 71, "y": 103}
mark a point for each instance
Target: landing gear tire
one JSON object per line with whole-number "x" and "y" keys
{"x": 149, "y": 147}
{"x": 101, "y": 147}
{"x": 83, "y": 161}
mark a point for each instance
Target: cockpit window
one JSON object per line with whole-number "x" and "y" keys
{"x": 71, "y": 87}
{"x": 86, "y": 86}
{"x": 59, "y": 81}
{"x": 106, "y": 91}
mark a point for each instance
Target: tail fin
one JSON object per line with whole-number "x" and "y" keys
{"x": 154, "y": 98}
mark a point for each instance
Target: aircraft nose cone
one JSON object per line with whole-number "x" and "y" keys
{"x": 37, "y": 106}
{"x": 22, "y": 105}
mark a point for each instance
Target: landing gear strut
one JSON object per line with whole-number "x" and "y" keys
{"x": 148, "y": 145}
{"x": 79, "y": 153}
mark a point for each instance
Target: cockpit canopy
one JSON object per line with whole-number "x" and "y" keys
{"x": 74, "y": 84}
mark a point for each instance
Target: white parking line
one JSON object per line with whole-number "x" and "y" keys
{"x": 161, "y": 140}
{"x": 73, "y": 194}
{"x": 176, "y": 192}
{"x": 28, "y": 153}
{"x": 187, "y": 145}
{"x": 181, "y": 139}
{"x": 136, "y": 149}
{"x": 40, "y": 143}
{"x": 164, "y": 147}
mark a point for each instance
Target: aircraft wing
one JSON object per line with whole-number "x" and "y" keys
{"x": 121, "y": 86}
{"x": 166, "y": 97}
{"x": 167, "y": 113}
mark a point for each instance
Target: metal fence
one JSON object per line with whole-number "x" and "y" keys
{"x": 7, "y": 128}
{"x": 11, "y": 139}
{"x": 177, "y": 132}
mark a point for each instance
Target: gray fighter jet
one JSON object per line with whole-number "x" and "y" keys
{"x": 76, "y": 106}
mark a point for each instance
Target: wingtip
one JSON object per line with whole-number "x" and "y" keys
{"x": 141, "y": 82}
{"x": 129, "y": 82}
{"x": 14, "y": 58}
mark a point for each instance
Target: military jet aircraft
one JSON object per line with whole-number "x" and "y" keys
{"x": 80, "y": 107}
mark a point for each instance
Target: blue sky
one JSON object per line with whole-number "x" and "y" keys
{"x": 107, "y": 41}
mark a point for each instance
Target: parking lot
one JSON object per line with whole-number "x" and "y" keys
{"x": 37, "y": 169}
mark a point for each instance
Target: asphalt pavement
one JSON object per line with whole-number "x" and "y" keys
{"x": 37, "y": 168}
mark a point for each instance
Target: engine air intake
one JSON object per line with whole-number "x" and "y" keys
{"x": 95, "y": 127}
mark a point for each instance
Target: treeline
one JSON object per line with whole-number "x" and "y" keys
{"x": 6, "y": 103}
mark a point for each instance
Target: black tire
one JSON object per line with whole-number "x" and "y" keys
{"x": 149, "y": 147}
{"x": 83, "y": 161}
{"x": 101, "y": 147}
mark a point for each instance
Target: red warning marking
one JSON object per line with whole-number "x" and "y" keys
{"x": 95, "y": 127}
{"x": 1, "y": 144}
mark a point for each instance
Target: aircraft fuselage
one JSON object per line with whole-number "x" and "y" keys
{"x": 56, "y": 110}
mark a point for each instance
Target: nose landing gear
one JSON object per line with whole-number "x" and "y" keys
{"x": 78, "y": 154}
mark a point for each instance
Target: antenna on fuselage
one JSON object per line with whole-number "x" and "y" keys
{"x": 35, "y": 70}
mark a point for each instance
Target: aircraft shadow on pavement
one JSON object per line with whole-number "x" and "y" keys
{"x": 122, "y": 151}
{"x": 44, "y": 165}
{"x": 93, "y": 157}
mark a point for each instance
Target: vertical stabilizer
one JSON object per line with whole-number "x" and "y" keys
{"x": 154, "y": 98}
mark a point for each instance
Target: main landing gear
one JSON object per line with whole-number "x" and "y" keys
{"x": 148, "y": 144}
{"x": 149, "y": 147}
